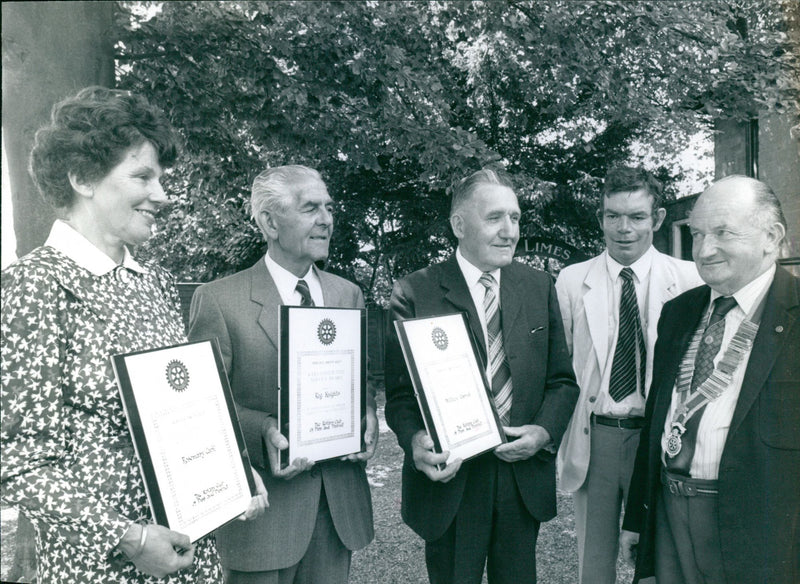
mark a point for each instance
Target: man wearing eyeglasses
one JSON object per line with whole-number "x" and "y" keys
{"x": 610, "y": 306}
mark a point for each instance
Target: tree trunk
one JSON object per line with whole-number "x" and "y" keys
{"x": 50, "y": 50}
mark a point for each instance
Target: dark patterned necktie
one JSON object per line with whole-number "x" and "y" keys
{"x": 305, "y": 293}
{"x": 710, "y": 344}
{"x": 623, "y": 380}
{"x": 498, "y": 364}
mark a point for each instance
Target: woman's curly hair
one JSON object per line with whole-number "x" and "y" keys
{"x": 89, "y": 134}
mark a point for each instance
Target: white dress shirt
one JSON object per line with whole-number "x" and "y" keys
{"x": 472, "y": 275}
{"x": 65, "y": 239}
{"x": 716, "y": 421}
{"x": 286, "y": 282}
{"x": 633, "y": 404}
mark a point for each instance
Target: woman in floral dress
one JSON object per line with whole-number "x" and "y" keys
{"x": 67, "y": 457}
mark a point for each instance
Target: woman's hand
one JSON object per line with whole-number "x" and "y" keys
{"x": 156, "y": 550}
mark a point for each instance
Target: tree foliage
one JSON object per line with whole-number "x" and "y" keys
{"x": 391, "y": 101}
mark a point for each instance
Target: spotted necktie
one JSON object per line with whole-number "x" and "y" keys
{"x": 498, "y": 364}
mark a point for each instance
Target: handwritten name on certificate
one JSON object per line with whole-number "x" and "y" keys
{"x": 186, "y": 425}
{"x": 325, "y": 397}
{"x": 461, "y": 412}
{"x": 322, "y": 397}
{"x": 452, "y": 390}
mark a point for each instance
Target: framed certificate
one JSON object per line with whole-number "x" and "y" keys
{"x": 187, "y": 436}
{"x": 322, "y": 381}
{"x": 451, "y": 387}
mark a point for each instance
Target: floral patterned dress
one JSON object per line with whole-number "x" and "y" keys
{"x": 67, "y": 456}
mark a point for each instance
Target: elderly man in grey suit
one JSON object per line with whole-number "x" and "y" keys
{"x": 319, "y": 513}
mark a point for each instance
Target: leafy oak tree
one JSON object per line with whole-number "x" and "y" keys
{"x": 393, "y": 100}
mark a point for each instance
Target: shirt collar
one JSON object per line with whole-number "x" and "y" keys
{"x": 749, "y": 296}
{"x": 285, "y": 281}
{"x": 471, "y": 273}
{"x": 641, "y": 267}
{"x": 65, "y": 239}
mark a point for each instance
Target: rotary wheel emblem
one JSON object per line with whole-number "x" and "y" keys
{"x": 439, "y": 338}
{"x": 326, "y": 331}
{"x": 177, "y": 375}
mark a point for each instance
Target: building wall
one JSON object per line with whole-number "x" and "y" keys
{"x": 769, "y": 149}
{"x": 673, "y": 237}
{"x": 773, "y": 157}
{"x": 779, "y": 167}
{"x": 730, "y": 148}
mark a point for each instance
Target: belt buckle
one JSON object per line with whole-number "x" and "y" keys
{"x": 679, "y": 487}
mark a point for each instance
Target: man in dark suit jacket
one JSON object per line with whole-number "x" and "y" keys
{"x": 490, "y": 506}
{"x": 715, "y": 496}
{"x": 318, "y": 513}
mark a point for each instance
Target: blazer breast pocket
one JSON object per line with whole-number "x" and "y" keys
{"x": 537, "y": 336}
{"x": 779, "y": 415}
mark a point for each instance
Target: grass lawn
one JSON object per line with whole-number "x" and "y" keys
{"x": 397, "y": 554}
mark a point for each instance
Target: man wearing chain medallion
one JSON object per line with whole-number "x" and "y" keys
{"x": 715, "y": 493}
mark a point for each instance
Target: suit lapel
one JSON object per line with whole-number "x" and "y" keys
{"x": 264, "y": 293}
{"x": 511, "y": 299}
{"x": 661, "y": 289}
{"x": 776, "y": 322}
{"x": 595, "y": 304}
{"x": 692, "y": 306}
{"x": 331, "y": 288}
{"x": 456, "y": 293}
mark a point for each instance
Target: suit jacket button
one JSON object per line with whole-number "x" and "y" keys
{"x": 592, "y": 399}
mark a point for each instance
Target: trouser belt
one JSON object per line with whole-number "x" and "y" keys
{"x": 687, "y": 487}
{"x": 625, "y": 423}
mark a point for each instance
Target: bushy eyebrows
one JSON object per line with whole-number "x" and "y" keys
{"x": 498, "y": 211}
{"x": 715, "y": 225}
{"x": 628, "y": 213}
{"x": 145, "y": 168}
{"x": 642, "y": 210}
{"x": 314, "y": 203}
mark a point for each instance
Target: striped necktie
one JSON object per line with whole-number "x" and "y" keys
{"x": 625, "y": 375}
{"x": 498, "y": 364}
{"x": 305, "y": 293}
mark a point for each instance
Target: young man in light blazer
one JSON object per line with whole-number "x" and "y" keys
{"x": 610, "y": 305}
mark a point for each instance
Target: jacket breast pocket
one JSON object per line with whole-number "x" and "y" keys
{"x": 537, "y": 335}
{"x": 779, "y": 415}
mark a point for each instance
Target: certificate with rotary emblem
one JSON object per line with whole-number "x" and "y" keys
{"x": 187, "y": 436}
{"x": 451, "y": 387}
{"x": 322, "y": 386}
